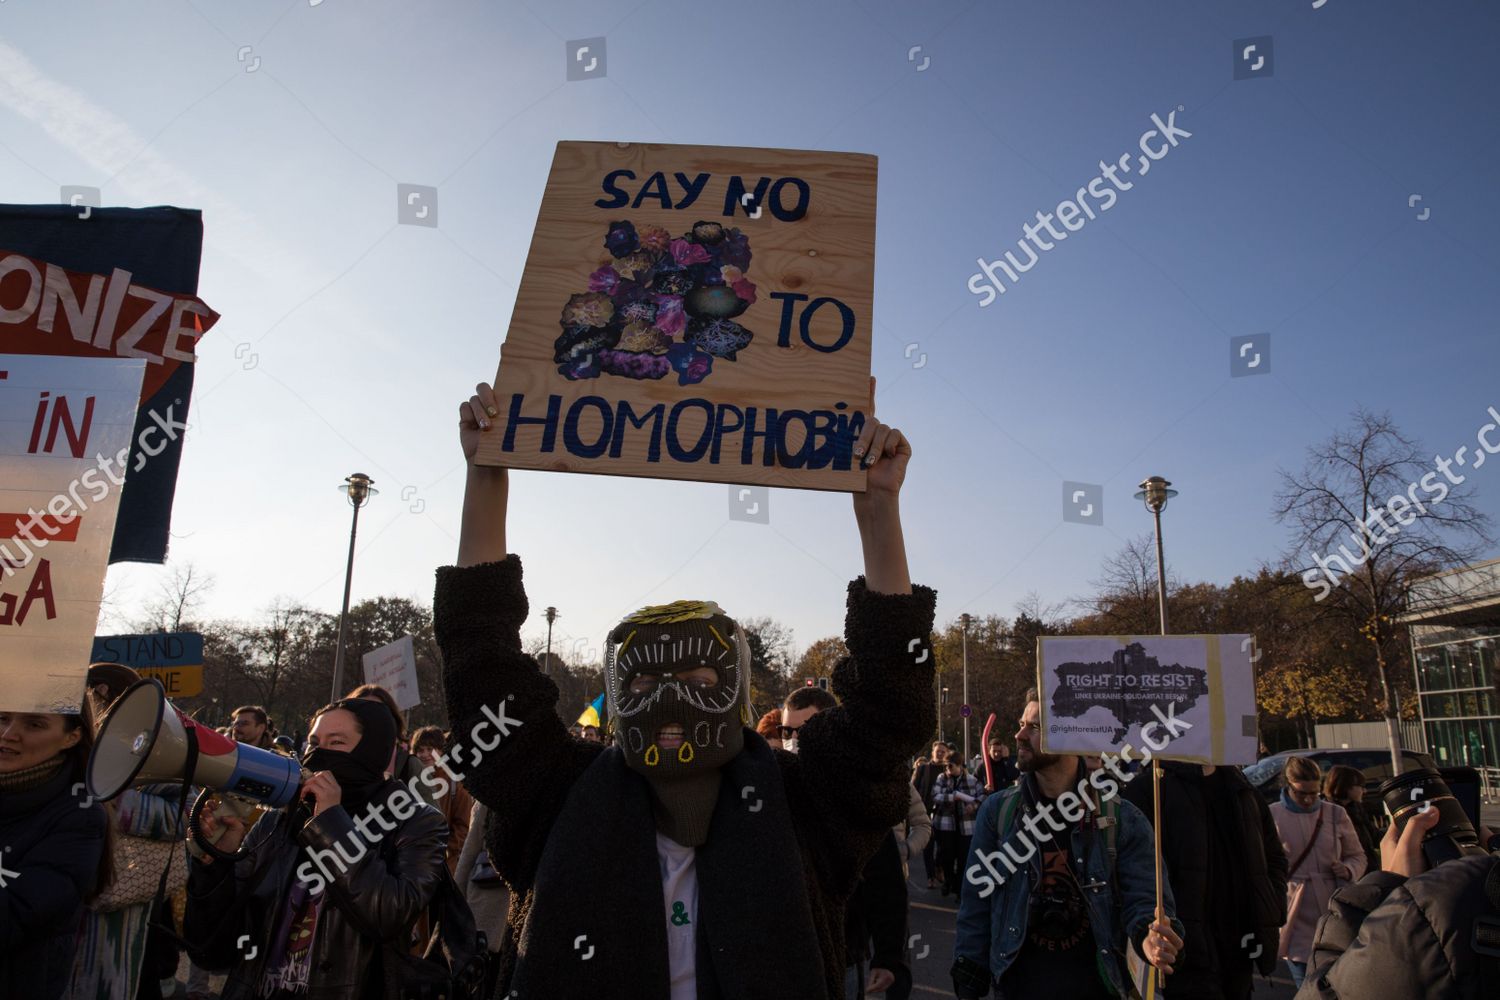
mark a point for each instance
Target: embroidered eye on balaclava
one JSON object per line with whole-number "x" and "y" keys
{"x": 658, "y": 641}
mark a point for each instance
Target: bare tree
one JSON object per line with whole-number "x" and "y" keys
{"x": 178, "y": 598}
{"x": 111, "y": 608}
{"x": 1124, "y": 601}
{"x": 1053, "y": 615}
{"x": 771, "y": 660}
{"x": 1349, "y": 486}
{"x": 279, "y": 654}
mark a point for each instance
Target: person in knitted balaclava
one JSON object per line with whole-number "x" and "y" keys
{"x": 690, "y": 859}
{"x": 678, "y": 680}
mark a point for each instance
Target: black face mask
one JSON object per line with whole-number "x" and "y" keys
{"x": 356, "y": 777}
{"x": 361, "y": 771}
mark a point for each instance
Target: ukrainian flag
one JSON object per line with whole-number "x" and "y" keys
{"x": 594, "y": 714}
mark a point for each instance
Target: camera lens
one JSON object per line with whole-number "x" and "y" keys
{"x": 1405, "y": 795}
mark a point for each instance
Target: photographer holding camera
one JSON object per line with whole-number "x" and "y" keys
{"x": 1415, "y": 929}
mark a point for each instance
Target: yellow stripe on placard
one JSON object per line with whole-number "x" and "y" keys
{"x": 1215, "y": 698}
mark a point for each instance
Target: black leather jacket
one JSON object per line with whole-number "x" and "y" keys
{"x": 387, "y": 888}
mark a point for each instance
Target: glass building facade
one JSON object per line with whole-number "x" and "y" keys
{"x": 1455, "y": 637}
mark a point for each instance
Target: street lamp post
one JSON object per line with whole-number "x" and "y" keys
{"x": 1156, "y": 491}
{"x": 938, "y": 695}
{"x": 943, "y": 702}
{"x": 551, "y": 617}
{"x": 965, "y": 620}
{"x": 359, "y": 488}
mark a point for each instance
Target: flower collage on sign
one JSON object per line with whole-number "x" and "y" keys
{"x": 662, "y": 304}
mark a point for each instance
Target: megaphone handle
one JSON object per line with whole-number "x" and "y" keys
{"x": 196, "y": 831}
{"x": 202, "y": 800}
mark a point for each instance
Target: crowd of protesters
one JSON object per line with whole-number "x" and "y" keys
{"x": 695, "y": 849}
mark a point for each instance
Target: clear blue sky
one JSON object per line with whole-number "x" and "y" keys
{"x": 1285, "y": 213}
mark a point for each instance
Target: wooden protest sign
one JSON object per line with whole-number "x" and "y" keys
{"x": 1185, "y": 697}
{"x": 65, "y": 426}
{"x": 693, "y": 312}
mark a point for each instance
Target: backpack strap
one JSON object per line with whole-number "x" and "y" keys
{"x": 1110, "y": 812}
{"x": 1007, "y": 812}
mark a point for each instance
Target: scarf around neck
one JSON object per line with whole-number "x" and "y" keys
{"x": 753, "y": 897}
{"x": 1292, "y": 806}
{"x": 33, "y": 777}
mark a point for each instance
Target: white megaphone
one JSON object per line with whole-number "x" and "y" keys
{"x": 144, "y": 740}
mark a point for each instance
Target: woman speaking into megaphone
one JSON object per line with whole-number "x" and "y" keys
{"x": 324, "y": 887}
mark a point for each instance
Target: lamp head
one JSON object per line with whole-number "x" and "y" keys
{"x": 359, "y": 488}
{"x": 1155, "y": 491}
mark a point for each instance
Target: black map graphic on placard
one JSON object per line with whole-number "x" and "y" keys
{"x": 1126, "y": 685}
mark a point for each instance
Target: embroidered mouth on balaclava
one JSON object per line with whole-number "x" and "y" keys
{"x": 660, "y": 641}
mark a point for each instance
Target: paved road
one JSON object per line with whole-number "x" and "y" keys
{"x": 932, "y": 917}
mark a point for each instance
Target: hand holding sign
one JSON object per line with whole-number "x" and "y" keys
{"x": 482, "y": 537}
{"x": 881, "y": 441}
{"x": 474, "y": 417}
{"x": 885, "y": 452}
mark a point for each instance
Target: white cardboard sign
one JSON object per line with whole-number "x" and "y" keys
{"x": 394, "y": 667}
{"x": 65, "y": 426}
{"x": 1194, "y": 693}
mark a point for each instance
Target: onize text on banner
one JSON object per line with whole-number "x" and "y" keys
{"x": 114, "y": 282}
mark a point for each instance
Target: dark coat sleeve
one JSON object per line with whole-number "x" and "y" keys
{"x": 217, "y": 893}
{"x": 524, "y": 773}
{"x": 52, "y": 877}
{"x": 855, "y": 758}
{"x": 1276, "y": 859}
{"x": 882, "y": 895}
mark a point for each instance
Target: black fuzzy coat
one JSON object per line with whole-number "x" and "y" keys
{"x": 773, "y": 880}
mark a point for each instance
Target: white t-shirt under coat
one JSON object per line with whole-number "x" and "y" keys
{"x": 679, "y": 893}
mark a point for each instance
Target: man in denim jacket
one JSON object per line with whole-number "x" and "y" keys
{"x": 1038, "y": 912}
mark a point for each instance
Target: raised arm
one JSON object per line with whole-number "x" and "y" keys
{"x": 854, "y": 756}
{"x": 884, "y": 452}
{"x": 509, "y": 744}
{"x": 481, "y": 534}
